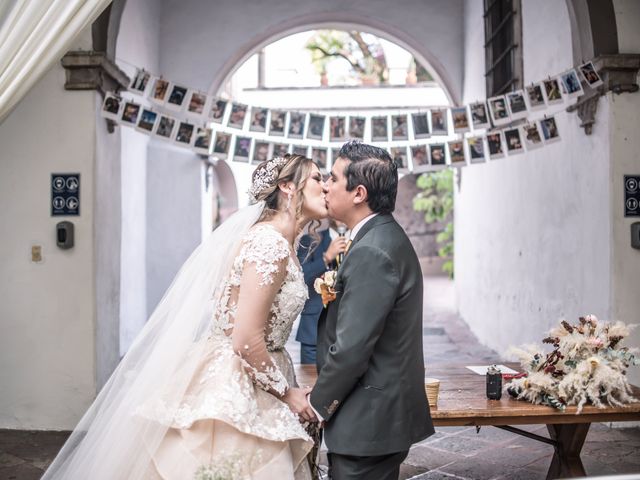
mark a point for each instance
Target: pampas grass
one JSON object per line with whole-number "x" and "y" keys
{"x": 587, "y": 365}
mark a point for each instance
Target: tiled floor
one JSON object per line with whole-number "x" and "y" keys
{"x": 452, "y": 453}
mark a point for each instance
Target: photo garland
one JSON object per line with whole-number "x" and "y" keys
{"x": 424, "y": 153}
{"x": 231, "y": 130}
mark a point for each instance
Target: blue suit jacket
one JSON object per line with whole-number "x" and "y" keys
{"x": 312, "y": 267}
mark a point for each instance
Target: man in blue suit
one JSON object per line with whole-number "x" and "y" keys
{"x": 321, "y": 259}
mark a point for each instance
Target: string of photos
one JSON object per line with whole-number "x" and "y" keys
{"x": 418, "y": 141}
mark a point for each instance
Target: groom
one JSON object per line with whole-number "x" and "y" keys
{"x": 370, "y": 389}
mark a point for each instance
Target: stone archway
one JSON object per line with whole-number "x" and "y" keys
{"x": 338, "y": 21}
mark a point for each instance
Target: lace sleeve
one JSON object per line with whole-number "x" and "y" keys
{"x": 265, "y": 256}
{"x": 266, "y": 248}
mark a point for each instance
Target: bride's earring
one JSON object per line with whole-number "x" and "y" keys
{"x": 289, "y": 196}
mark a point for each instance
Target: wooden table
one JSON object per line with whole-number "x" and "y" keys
{"x": 462, "y": 402}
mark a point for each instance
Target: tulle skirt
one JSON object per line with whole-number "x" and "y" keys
{"x": 224, "y": 424}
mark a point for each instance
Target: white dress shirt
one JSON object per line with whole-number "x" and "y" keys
{"x": 359, "y": 225}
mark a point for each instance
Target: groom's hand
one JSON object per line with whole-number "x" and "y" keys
{"x": 296, "y": 399}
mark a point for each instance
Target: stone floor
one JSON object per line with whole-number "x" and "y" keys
{"x": 452, "y": 453}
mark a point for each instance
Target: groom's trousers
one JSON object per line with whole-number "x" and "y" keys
{"x": 350, "y": 467}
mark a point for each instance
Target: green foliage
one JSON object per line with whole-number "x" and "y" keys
{"x": 436, "y": 201}
{"x": 362, "y": 51}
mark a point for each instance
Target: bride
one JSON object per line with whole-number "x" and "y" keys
{"x": 207, "y": 390}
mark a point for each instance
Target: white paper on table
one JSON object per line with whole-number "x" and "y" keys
{"x": 482, "y": 369}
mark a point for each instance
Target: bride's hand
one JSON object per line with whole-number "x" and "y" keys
{"x": 296, "y": 399}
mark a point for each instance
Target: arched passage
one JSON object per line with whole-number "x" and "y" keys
{"x": 226, "y": 189}
{"x": 338, "y": 22}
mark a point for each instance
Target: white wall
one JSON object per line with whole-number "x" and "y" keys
{"x": 47, "y": 310}
{"x": 137, "y": 44}
{"x": 107, "y": 236}
{"x": 541, "y": 236}
{"x": 475, "y": 87}
{"x": 174, "y": 203}
{"x": 532, "y": 231}
{"x": 625, "y": 143}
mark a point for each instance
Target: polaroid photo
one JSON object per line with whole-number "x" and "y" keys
{"x": 140, "y": 81}
{"x": 456, "y": 153}
{"x": 237, "y": 116}
{"x": 296, "y": 124}
{"x": 177, "y": 97}
{"x": 531, "y": 134}
{"x": 280, "y": 149}
{"x": 111, "y": 107}
{"x": 316, "y": 126}
{"x": 399, "y": 128}
{"x": 571, "y": 83}
{"x": 590, "y": 75}
{"x": 419, "y": 158}
{"x": 242, "y": 149}
{"x": 260, "y": 152}
{"x": 479, "y": 115}
{"x": 130, "y": 113}
{"x": 216, "y": 112}
{"x": 460, "y": 119}
{"x": 498, "y": 110}
{"x": 185, "y": 133}
{"x": 552, "y": 91}
{"x": 517, "y": 104}
{"x": 356, "y": 127}
{"x": 437, "y": 156}
{"x": 420, "y": 123}
{"x": 335, "y": 153}
{"x": 439, "y": 122}
{"x": 534, "y": 96}
{"x": 380, "y": 129}
{"x": 476, "y": 149}
{"x": 258, "y": 122}
{"x": 221, "y": 145}
{"x": 400, "y": 157}
{"x": 495, "y": 145}
{"x": 513, "y": 140}
{"x": 147, "y": 121}
{"x": 337, "y": 129}
{"x": 202, "y": 142}
{"x": 549, "y": 130}
{"x": 164, "y": 128}
{"x": 160, "y": 90}
{"x": 319, "y": 155}
{"x": 277, "y": 123}
{"x": 197, "y": 102}
{"x": 300, "y": 150}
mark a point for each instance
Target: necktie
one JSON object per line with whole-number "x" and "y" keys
{"x": 346, "y": 249}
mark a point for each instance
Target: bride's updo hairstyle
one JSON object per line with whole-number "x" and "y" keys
{"x": 270, "y": 173}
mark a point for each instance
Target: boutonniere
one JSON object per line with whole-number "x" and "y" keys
{"x": 324, "y": 285}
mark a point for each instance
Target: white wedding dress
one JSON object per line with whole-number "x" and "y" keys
{"x": 183, "y": 403}
{"x": 228, "y": 415}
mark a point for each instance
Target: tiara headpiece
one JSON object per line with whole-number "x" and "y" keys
{"x": 265, "y": 176}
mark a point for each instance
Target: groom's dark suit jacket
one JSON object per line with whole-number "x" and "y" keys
{"x": 370, "y": 387}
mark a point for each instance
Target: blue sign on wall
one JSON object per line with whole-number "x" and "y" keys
{"x": 632, "y": 195}
{"x": 65, "y": 194}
